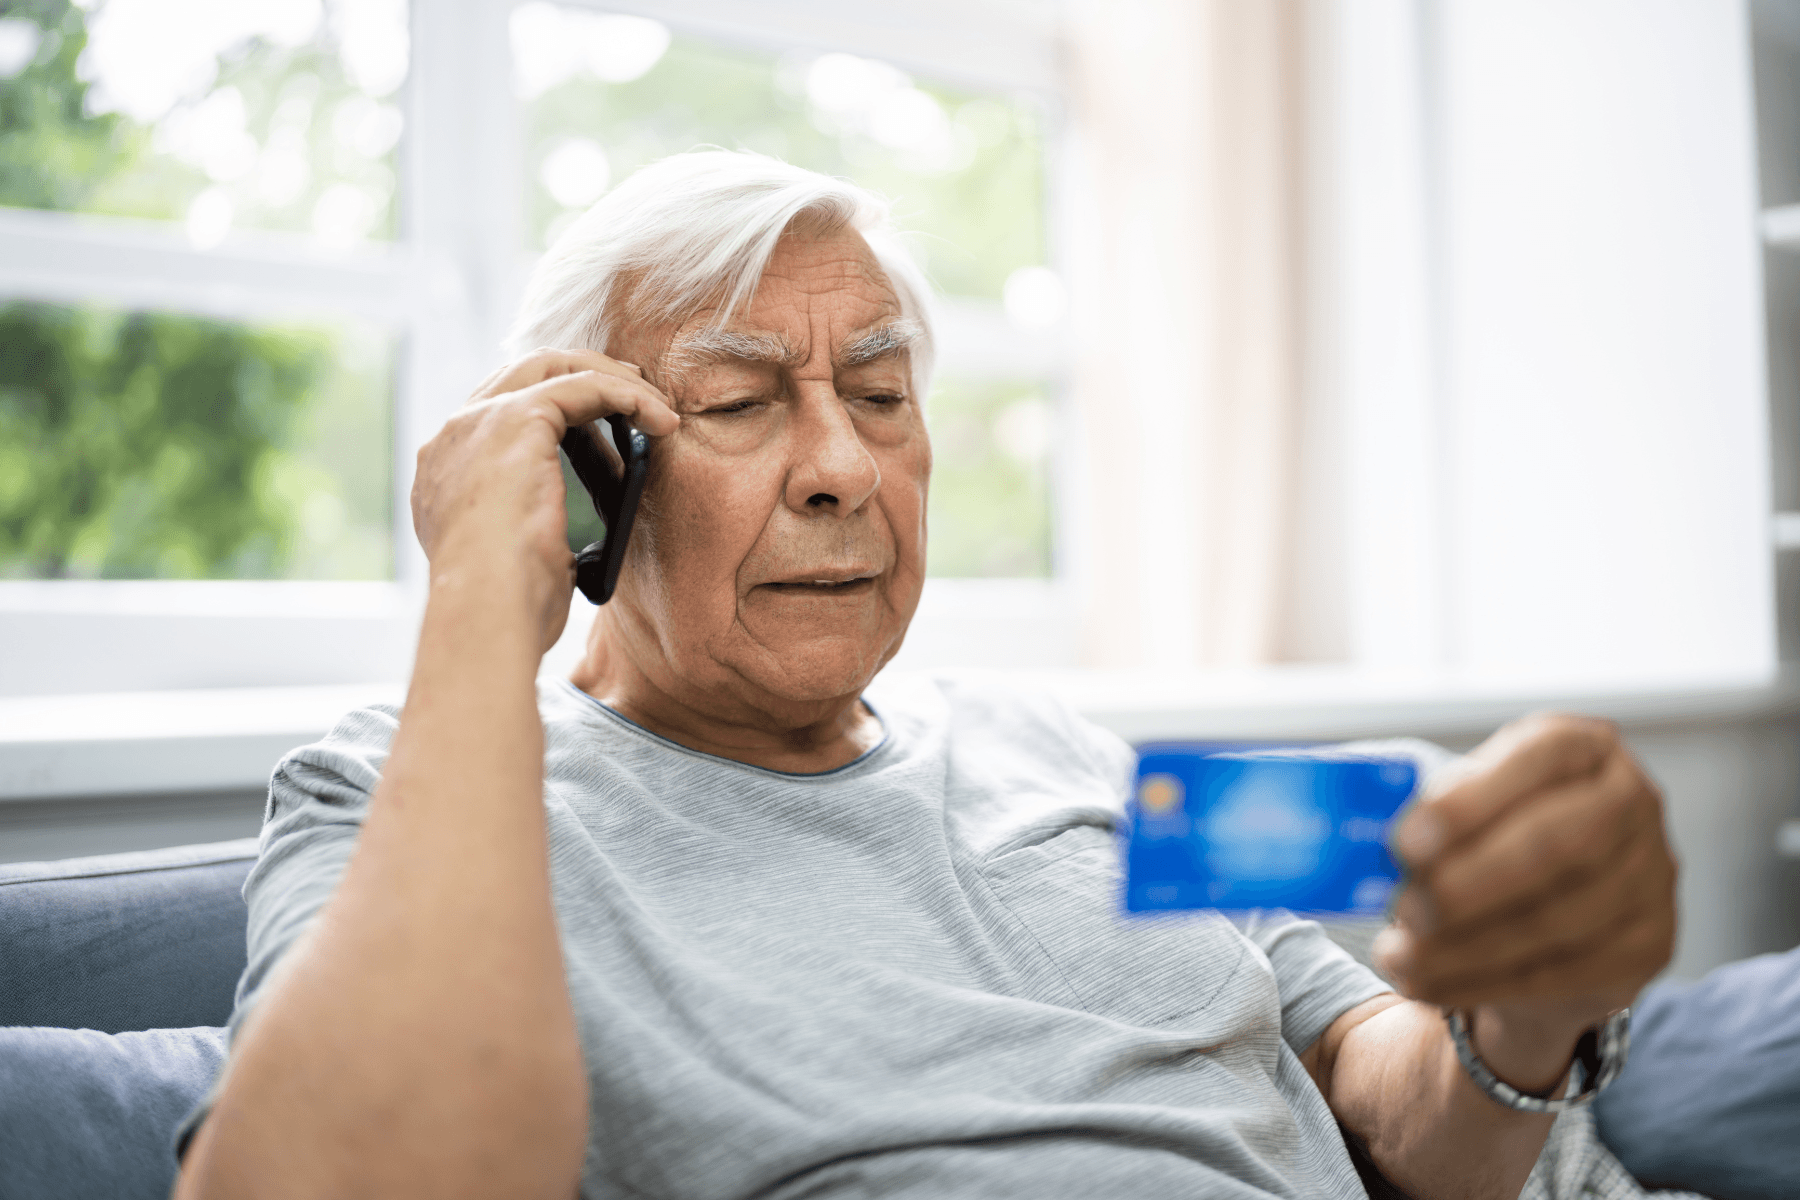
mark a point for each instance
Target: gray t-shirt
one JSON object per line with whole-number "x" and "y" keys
{"x": 906, "y": 977}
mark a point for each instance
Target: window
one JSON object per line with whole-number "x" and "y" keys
{"x": 144, "y": 435}
{"x": 159, "y": 445}
{"x": 269, "y": 116}
{"x": 251, "y": 255}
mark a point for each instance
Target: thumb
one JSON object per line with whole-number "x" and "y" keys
{"x": 1522, "y": 759}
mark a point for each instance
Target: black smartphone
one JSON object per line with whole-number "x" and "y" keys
{"x": 612, "y": 460}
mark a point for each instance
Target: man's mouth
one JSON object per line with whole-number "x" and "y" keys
{"x": 826, "y": 583}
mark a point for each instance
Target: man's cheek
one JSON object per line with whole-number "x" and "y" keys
{"x": 722, "y": 520}
{"x": 905, "y": 488}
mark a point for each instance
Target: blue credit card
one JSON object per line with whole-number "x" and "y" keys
{"x": 1235, "y": 830}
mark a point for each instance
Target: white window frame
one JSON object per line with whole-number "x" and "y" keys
{"x": 446, "y": 287}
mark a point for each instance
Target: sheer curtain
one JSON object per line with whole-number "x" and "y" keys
{"x": 1188, "y": 177}
{"x": 1421, "y": 335}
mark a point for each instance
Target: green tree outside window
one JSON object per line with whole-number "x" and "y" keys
{"x": 154, "y": 445}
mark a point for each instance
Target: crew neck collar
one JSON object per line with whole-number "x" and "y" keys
{"x": 627, "y": 723}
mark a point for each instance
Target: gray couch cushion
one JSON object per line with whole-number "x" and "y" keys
{"x": 94, "y": 1114}
{"x": 1710, "y": 1097}
{"x": 149, "y": 940}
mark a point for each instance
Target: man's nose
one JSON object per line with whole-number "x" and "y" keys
{"x": 832, "y": 471}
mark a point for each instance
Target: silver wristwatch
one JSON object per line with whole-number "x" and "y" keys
{"x": 1599, "y": 1057}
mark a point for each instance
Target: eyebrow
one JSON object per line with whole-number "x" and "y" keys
{"x": 705, "y": 346}
{"x": 883, "y": 341}
{"x": 710, "y": 345}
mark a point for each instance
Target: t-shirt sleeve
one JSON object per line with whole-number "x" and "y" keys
{"x": 318, "y": 798}
{"x": 1318, "y": 982}
{"x": 1107, "y": 755}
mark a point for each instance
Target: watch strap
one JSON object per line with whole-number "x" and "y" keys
{"x": 1599, "y": 1057}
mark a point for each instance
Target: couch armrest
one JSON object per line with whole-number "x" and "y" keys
{"x": 147, "y": 940}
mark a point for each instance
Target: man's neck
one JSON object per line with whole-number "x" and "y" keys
{"x": 817, "y": 736}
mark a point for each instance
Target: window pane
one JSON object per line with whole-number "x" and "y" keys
{"x": 990, "y": 479}
{"x": 608, "y": 93}
{"x": 150, "y": 445}
{"x": 278, "y": 115}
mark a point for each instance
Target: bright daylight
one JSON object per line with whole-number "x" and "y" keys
{"x": 1014, "y": 598}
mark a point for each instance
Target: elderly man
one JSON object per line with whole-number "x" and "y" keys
{"x": 711, "y": 920}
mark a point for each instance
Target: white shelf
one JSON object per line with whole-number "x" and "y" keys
{"x": 1781, "y": 226}
{"x": 1787, "y": 839}
{"x": 1785, "y": 530}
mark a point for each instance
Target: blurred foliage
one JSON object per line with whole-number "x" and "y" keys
{"x": 280, "y": 141}
{"x": 584, "y": 522}
{"x": 990, "y": 511}
{"x": 51, "y": 155}
{"x": 156, "y": 445}
{"x": 975, "y": 219}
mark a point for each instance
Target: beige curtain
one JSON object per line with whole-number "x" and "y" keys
{"x": 1187, "y": 231}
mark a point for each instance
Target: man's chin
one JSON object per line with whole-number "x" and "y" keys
{"x": 826, "y": 665}
{"x": 809, "y": 647}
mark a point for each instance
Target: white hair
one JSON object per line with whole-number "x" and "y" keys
{"x": 696, "y": 230}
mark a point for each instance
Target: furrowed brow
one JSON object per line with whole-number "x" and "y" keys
{"x": 706, "y": 346}
{"x": 883, "y": 341}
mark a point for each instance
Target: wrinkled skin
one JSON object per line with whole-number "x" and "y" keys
{"x": 780, "y": 549}
{"x": 1542, "y": 879}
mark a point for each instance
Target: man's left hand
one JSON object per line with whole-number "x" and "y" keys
{"x": 1541, "y": 886}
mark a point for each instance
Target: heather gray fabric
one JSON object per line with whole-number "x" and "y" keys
{"x": 84, "y": 1113}
{"x": 124, "y": 941}
{"x": 905, "y": 977}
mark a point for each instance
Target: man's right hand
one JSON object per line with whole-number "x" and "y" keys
{"x": 420, "y": 1040}
{"x": 488, "y": 494}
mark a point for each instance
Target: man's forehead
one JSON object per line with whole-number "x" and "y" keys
{"x": 834, "y": 263}
{"x": 810, "y": 285}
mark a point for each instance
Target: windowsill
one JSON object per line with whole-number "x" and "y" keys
{"x": 148, "y": 742}
{"x": 1337, "y": 703}
{"x": 120, "y": 743}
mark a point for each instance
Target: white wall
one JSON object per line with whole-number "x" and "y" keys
{"x": 1540, "y": 328}
{"x": 1604, "y": 408}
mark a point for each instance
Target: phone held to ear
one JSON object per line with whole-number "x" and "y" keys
{"x": 1235, "y": 830}
{"x": 613, "y": 472}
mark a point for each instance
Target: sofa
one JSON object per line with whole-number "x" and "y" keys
{"x": 118, "y": 973}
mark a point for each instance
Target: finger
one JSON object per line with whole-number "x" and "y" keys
{"x": 482, "y": 391}
{"x": 548, "y": 363}
{"x": 589, "y": 395}
{"x": 1545, "y": 845}
{"x": 1641, "y": 880}
{"x": 1523, "y": 758}
{"x": 1620, "y": 959}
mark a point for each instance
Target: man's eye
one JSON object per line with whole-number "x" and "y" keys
{"x": 736, "y": 406}
{"x": 885, "y": 399}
